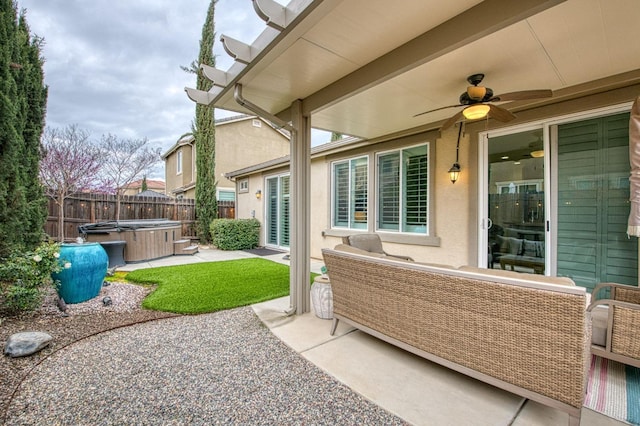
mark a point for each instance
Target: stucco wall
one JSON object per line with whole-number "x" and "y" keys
{"x": 241, "y": 144}
{"x": 172, "y": 178}
{"x": 455, "y": 206}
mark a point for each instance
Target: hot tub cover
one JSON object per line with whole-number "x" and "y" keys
{"x": 125, "y": 225}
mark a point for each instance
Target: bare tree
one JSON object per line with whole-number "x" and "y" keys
{"x": 124, "y": 161}
{"x": 69, "y": 164}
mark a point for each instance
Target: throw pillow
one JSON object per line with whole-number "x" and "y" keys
{"x": 515, "y": 246}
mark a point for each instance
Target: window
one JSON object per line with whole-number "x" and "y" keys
{"x": 243, "y": 185}
{"x": 179, "y": 162}
{"x": 226, "y": 195}
{"x": 403, "y": 190}
{"x": 349, "y": 188}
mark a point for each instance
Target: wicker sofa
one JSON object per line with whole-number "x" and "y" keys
{"x": 524, "y": 333}
{"x": 616, "y": 323}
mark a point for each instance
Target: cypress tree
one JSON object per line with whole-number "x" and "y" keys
{"x": 22, "y": 101}
{"x": 33, "y": 95}
{"x": 204, "y": 135}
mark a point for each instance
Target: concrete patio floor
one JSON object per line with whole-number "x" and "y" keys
{"x": 418, "y": 391}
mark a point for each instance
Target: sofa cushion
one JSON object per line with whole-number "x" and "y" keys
{"x": 351, "y": 249}
{"x": 368, "y": 242}
{"x": 530, "y": 248}
{"x": 519, "y": 275}
{"x": 515, "y": 245}
{"x": 503, "y": 244}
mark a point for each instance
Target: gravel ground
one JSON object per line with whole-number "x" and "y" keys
{"x": 220, "y": 368}
{"x": 80, "y": 320}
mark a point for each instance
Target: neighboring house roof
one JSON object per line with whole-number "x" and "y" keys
{"x": 324, "y": 149}
{"x": 183, "y": 188}
{"x": 151, "y": 184}
{"x": 150, "y": 193}
{"x": 188, "y": 139}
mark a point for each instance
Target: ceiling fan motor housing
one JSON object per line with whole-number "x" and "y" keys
{"x": 476, "y": 94}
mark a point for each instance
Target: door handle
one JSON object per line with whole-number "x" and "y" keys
{"x": 489, "y": 223}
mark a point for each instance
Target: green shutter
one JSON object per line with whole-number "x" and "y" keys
{"x": 226, "y": 196}
{"x": 272, "y": 210}
{"x": 593, "y": 202}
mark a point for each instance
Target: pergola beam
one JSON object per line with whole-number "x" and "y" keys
{"x": 239, "y": 51}
{"x": 218, "y": 77}
{"x": 274, "y": 14}
{"x": 201, "y": 97}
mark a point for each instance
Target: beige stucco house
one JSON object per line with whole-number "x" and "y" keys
{"x": 544, "y": 180}
{"x": 240, "y": 141}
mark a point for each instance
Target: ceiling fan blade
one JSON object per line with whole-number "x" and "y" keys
{"x": 500, "y": 114}
{"x": 522, "y": 95}
{"x": 450, "y": 122}
{"x": 437, "y": 109}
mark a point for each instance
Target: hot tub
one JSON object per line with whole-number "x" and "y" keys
{"x": 144, "y": 239}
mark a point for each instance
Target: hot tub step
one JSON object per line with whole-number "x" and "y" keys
{"x": 189, "y": 250}
{"x": 180, "y": 245}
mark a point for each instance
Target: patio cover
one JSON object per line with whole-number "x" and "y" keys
{"x": 633, "y": 227}
{"x": 365, "y": 67}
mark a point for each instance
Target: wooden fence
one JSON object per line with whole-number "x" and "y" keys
{"x": 83, "y": 208}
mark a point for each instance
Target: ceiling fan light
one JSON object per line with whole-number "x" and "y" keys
{"x": 476, "y": 92}
{"x": 475, "y": 112}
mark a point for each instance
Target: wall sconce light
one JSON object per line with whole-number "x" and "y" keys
{"x": 258, "y": 194}
{"x": 454, "y": 171}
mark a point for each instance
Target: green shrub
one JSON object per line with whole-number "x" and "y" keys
{"x": 235, "y": 234}
{"x": 25, "y": 274}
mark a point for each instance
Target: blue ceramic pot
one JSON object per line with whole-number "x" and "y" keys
{"x": 83, "y": 280}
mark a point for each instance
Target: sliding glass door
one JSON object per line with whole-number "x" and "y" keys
{"x": 515, "y": 202}
{"x": 560, "y": 207}
{"x": 277, "y": 211}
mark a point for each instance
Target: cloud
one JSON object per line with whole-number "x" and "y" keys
{"x": 113, "y": 66}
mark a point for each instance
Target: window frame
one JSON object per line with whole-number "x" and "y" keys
{"x": 179, "y": 162}
{"x": 243, "y": 185}
{"x": 351, "y": 163}
{"x": 402, "y": 212}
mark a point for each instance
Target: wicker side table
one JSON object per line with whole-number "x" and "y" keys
{"x": 322, "y": 297}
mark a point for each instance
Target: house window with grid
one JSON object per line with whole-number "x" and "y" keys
{"x": 403, "y": 190}
{"x": 349, "y": 193}
{"x": 243, "y": 185}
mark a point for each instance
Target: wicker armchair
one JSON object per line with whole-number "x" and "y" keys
{"x": 616, "y": 323}
{"x": 370, "y": 243}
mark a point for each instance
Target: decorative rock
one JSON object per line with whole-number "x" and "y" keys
{"x": 106, "y": 284}
{"x": 62, "y": 305}
{"x": 106, "y": 301}
{"x": 26, "y": 343}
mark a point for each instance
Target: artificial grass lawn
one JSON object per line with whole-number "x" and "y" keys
{"x": 213, "y": 286}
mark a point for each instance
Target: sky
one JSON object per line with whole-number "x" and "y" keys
{"x": 113, "y": 66}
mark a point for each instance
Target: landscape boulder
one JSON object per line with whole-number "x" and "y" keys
{"x": 26, "y": 343}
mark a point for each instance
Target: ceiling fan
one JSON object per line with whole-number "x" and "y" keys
{"x": 476, "y": 101}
